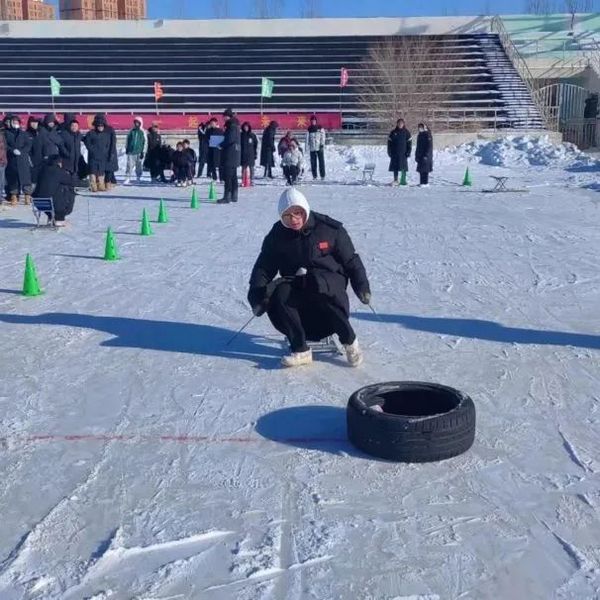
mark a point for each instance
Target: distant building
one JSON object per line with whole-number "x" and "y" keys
{"x": 102, "y": 9}
{"x": 37, "y": 10}
{"x": 132, "y": 9}
{"x": 33, "y": 10}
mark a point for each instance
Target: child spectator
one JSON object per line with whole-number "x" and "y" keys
{"x": 181, "y": 165}
{"x": 293, "y": 163}
{"x": 191, "y": 156}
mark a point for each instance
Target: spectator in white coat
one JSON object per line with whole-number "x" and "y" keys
{"x": 315, "y": 144}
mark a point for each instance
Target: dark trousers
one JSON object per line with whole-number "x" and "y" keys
{"x": 291, "y": 173}
{"x": 181, "y": 173}
{"x": 424, "y": 178}
{"x": 302, "y": 316}
{"x": 201, "y": 163}
{"x": 211, "y": 168}
{"x": 317, "y": 157}
{"x": 269, "y": 171}
{"x": 230, "y": 179}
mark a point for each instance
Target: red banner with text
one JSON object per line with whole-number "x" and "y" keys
{"x": 178, "y": 122}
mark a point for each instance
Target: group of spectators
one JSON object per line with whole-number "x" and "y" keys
{"x": 288, "y": 150}
{"x": 44, "y": 160}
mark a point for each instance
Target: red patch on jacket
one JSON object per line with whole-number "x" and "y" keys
{"x": 323, "y": 245}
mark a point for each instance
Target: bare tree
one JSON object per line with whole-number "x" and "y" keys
{"x": 268, "y": 9}
{"x": 409, "y": 77}
{"x": 221, "y": 9}
{"x": 577, "y": 6}
{"x": 539, "y": 7}
{"x": 310, "y": 9}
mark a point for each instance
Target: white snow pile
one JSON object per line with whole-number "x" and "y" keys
{"x": 513, "y": 151}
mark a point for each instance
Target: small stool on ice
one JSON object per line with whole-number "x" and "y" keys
{"x": 40, "y": 206}
{"x": 368, "y": 169}
{"x": 500, "y": 183}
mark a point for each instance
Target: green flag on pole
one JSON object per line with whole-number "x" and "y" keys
{"x": 54, "y": 86}
{"x": 267, "y": 87}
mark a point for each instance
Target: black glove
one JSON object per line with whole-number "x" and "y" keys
{"x": 257, "y": 297}
{"x": 365, "y": 297}
{"x": 141, "y": 155}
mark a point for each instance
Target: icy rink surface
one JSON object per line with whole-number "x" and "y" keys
{"x": 141, "y": 458}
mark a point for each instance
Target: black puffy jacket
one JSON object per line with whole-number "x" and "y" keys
{"x": 323, "y": 247}
{"x": 231, "y": 147}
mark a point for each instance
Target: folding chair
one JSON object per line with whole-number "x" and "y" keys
{"x": 40, "y": 206}
{"x": 369, "y": 169}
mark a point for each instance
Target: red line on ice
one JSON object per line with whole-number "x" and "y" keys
{"x": 182, "y": 439}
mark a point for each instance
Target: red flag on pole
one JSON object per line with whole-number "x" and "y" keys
{"x": 158, "y": 91}
{"x": 344, "y": 77}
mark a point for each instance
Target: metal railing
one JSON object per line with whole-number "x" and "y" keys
{"x": 584, "y": 133}
{"x": 519, "y": 63}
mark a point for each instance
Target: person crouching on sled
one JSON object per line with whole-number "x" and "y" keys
{"x": 315, "y": 257}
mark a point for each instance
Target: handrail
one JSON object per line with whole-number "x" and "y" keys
{"x": 497, "y": 26}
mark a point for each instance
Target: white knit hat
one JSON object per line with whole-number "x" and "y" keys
{"x": 293, "y": 197}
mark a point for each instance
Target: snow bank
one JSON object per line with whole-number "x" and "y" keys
{"x": 522, "y": 151}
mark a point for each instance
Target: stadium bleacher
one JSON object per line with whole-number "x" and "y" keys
{"x": 205, "y": 75}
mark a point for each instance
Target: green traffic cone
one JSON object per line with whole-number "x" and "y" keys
{"x": 212, "y": 192}
{"x": 31, "y": 285}
{"x": 403, "y": 178}
{"x": 146, "y": 229}
{"x": 162, "y": 212}
{"x": 194, "y": 203}
{"x": 467, "y": 180}
{"x": 110, "y": 249}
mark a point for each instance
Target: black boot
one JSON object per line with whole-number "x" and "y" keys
{"x": 234, "y": 196}
{"x": 226, "y": 199}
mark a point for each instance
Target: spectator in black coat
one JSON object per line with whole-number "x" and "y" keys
{"x": 68, "y": 118}
{"x": 154, "y": 156}
{"x": 98, "y": 143}
{"x": 18, "y": 169}
{"x": 424, "y": 154}
{"x": 213, "y": 157}
{"x": 202, "y": 148}
{"x": 72, "y": 138}
{"x": 50, "y": 138}
{"x": 191, "y": 157}
{"x": 399, "y": 148}
{"x": 315, "y": 258}
{"x": 267, "y": 149}
{"x": 37, "y": 158}
{"x": 249, "y": 145}
{"x": 56, "y": 183}
{"x": 3, "y": 161}
{"x": 112, "y": 165}
{"x": 181, "y": 165}
{"x": 231, "y": 155}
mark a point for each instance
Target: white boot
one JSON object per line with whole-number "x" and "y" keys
{"x": 354, "y": 354}
{"x": 297, "y": 359}
{"x": 127, "y": 181}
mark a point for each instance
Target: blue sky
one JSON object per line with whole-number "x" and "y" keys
{"x": 197, "y": 9}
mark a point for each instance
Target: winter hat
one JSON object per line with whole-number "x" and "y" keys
{"x": 228, "y": 112}
{"x": 33, "y": 119}
{"x": 99, "y": 119}
{"x": 293, "y": 197}
{"x": 50, "y": 118}
{"x": 139, "y": 120}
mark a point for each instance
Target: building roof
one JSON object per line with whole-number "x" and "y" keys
{"x": 223, "y": 28}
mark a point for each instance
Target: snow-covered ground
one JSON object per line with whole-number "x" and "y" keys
{"x": 141, "y": 457}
